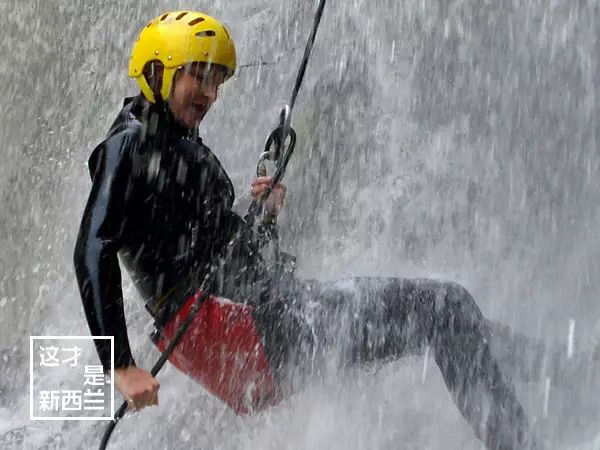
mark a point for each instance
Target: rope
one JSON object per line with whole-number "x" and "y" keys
{"x": 280, "y": 134}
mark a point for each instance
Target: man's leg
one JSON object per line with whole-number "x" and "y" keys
{"x": 522, "y": 357}
{"x": 571, "y": 381}
{"x": 380, "y": 319}
{"x": 531, "y": 360}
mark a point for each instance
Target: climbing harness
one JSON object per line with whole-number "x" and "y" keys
{"x": 281, "y": 156}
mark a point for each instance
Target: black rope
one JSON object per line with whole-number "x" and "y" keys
{"x": 307, "y": 51}
{"x": 204, "y": 294}
{"x": 278, "y": 137}
{"x": 280, "y": 134}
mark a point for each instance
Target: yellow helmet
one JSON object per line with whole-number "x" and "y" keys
{"x": 178, "y": 38}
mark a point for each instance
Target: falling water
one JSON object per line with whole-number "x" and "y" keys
{"x": 448, "y": 139}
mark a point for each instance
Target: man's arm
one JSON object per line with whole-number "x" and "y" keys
{"x": 99, "y": 239}
{"x": 97, "y": 265}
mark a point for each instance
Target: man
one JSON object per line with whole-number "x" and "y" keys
{"x": 162, "y": 201}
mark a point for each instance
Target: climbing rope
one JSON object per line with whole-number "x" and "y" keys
{"x": 284, "y": 130}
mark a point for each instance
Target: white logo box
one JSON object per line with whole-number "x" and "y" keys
{"x": 32, "y": 339}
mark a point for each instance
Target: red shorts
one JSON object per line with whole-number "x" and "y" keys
{"x": 222, "y": 351}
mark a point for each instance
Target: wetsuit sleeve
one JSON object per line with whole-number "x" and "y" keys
{"x": 99, "y": 239}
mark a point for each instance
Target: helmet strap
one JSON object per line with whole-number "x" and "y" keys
{"x": 153, "y": 75}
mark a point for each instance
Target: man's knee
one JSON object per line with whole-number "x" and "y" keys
{"x": 457, "y": 292}
{"x": 457, "y": 299}
{"x": 457, "y": 318}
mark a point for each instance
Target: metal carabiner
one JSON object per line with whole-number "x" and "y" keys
{"x": 278, "y": 137}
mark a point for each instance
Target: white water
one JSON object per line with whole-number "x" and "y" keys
{"x": 454, "y": 139}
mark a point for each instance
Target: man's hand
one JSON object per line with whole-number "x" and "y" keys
{"x": 138, "y": 387}
{"x": 275, "y": 201}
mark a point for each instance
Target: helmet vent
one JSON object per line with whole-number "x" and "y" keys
{"x": 225, "y": 30}
{"x": 164, "y": 17}
{"x": 179, "y": 16}
{"x": 206, "y": 33}
{"x": 196, "y": 21}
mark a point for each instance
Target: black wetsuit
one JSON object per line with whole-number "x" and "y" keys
{"x": 162, "y": 200}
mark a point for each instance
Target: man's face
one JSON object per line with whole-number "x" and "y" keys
{"x": 195, "y": 90}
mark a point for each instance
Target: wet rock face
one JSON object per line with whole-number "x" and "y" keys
{"x": 14, "y": 438}
{"x": 21, "y": 437}
{"x": 451, "y": 138}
